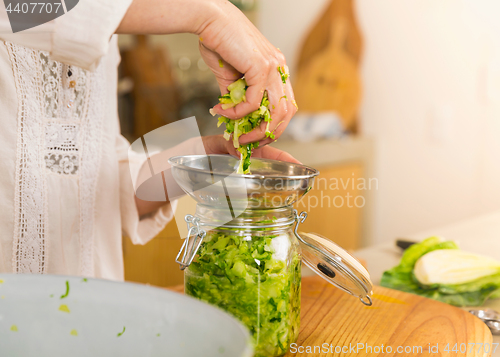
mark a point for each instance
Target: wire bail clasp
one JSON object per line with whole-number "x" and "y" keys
{"x": 190, "y": 246}
{"x": 299, "y": 218}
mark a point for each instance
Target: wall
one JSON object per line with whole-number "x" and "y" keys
{"x": 431, "y": 74}
{"x": 285, "y": 22}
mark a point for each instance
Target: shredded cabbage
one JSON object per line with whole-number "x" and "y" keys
{"x": 253, "y": 280}
{"x": 238, "y": 127}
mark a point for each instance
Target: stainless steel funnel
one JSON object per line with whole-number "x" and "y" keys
{"x": 212, "y": 180}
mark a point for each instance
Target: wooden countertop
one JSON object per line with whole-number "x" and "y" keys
{"x": 333, "y": 319}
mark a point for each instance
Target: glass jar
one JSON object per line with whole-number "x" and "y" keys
{"x": 242, "y": 251}
{"x": 251, "y": 268}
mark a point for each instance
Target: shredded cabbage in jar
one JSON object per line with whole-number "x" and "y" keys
{"x": 252, "y": 279}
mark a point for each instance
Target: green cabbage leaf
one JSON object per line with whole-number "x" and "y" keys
{"x": 402, "y": 277}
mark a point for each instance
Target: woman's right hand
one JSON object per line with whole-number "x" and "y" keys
{"x": 233, "y": 47}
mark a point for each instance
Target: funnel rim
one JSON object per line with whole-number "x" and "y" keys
{"x": 313, "y": 172}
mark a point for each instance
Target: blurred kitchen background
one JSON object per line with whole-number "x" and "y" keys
{"x": 402, "y": 94}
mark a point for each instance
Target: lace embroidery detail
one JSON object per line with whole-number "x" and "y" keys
{"x": 59, "y": 132}
{"x": 62, "y": 164}
{"x": 30, "y": 243}
{"x": 61, "y": 148}
{"x": 50, "y": 80}
{"x": 57, "y": 92}
{"x": 61, "y": 137}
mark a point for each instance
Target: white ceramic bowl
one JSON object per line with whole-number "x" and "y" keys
{"x": 105, "y": 318}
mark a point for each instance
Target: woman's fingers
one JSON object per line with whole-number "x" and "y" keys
{"x": 253, "y": 95}
{"x": 268, "y": 152}
{"x": 279, "y": 127}
{"x": 216, "y": 144}
{"x": 252, "y": 103}
{"x": 282, "y": 108}
{"x": 260, "y": 75}
{"x": 224, "y": 72}
{"x": 278, "y": 110}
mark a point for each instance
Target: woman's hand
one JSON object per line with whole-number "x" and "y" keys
{"x": 216, "y": 144}
{"x": 232, "y": 47}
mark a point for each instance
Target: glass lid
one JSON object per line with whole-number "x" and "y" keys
{"x": 335, "y": 265}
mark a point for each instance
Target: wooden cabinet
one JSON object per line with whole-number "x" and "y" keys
{"x": 154, "y": 263}
{"x": 334, "y": 205}
{"x": 332, "y": 212}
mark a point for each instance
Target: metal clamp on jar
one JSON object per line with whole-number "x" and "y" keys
{"x": 243, "y": 251}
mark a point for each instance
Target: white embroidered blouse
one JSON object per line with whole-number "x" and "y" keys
{"x": 66, "y": 194}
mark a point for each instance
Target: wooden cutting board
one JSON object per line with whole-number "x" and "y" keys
{"x": 395, "y": 319}
{"x": 327, "y": 76}
{"x": 330, "y": 316}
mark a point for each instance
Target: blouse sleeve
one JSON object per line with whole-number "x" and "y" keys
{"x": 80, "y": 37}
{"x": 139, "y": 229}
